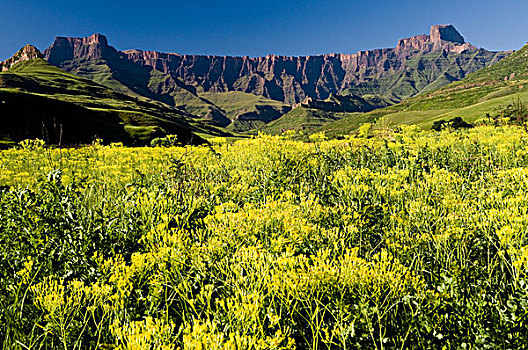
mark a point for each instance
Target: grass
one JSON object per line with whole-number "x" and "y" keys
{"x": 246, "y": 111}
{"x": 474, "y": 104}
{"x": 300, "y": 119}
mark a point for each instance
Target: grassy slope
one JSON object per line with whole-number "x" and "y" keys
{"x": 246, "y": 111}
{"x": 145, "y": 118}
{"x": 136, "y": 80}
{"x": 101, "y": 73}
{"x": 485, "y": 91}
{"x": 301, "y": 119}
{"x": 237, "y": 102}
{"x": 28, "y": 116}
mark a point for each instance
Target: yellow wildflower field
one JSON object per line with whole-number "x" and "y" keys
{"x": 407, "y": 239}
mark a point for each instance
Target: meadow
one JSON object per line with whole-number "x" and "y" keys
{"x": 389, "y": 239}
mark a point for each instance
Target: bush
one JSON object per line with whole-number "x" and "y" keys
{"x": 32, "y": 145}
{"x": 455, "y": 123}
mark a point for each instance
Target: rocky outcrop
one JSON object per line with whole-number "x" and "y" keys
{"x": 28, "y": 52}
{"x": 446, "y": 32}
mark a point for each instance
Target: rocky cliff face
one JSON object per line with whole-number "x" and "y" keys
{"x": 292, "y": 79}
{"x": 26, "y": 53}
{"x": 93, "y": 58}
{"x": 415, "y": 64}
{"x": 446, "y": 33}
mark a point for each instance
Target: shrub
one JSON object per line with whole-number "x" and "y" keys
{"x": 455, "y": 123}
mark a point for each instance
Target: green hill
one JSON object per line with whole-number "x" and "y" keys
{"x": 489, "y": 91}
{"x": 246, "y": 111}
{"x": 301, "y": 119}
{"x": 40, "y": 100}
{"x": 141, "y": 81}
{"x": 313, "y": 113}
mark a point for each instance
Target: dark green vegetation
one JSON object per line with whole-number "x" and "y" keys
{"x": 38, "y": 100}
{"x": 26, "y": 116}
{"x": 455, "y": 123}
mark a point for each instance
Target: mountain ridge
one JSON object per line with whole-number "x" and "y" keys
{"x": 337, "y": 70}
{"x": 291, "y": 79}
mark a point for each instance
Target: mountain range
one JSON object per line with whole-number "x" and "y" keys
{"x": 204, "y": 94}
{"x": 417, "y": 64}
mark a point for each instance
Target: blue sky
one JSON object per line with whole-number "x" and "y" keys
{"x": 256, "y": 28}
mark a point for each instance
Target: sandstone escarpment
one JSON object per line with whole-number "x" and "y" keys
{"x": 292, "y": 79}
{"x": 398, "y": 72}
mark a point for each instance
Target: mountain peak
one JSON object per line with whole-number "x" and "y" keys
{"x": 26, "y": 53}
{"x": 442, "y": 37}
{"x": 446, "y": 32}
{"x": 97, "y": 39}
